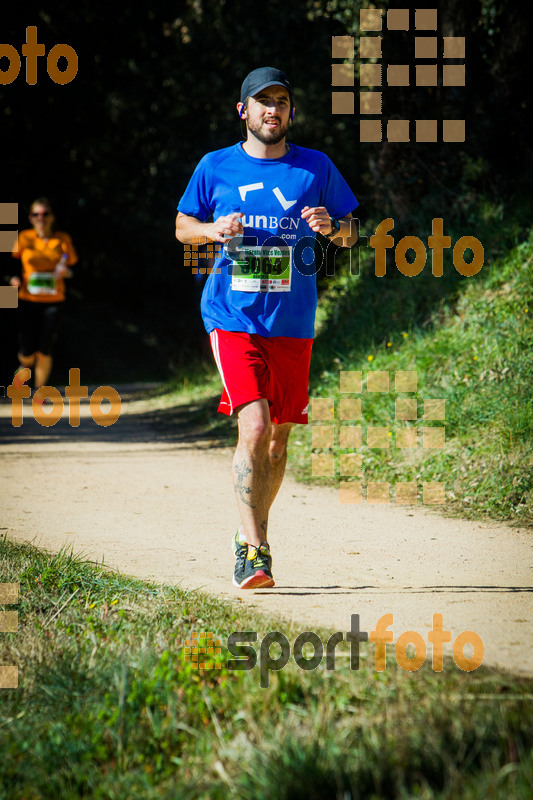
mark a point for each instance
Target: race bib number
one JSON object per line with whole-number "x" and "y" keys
{"x": 42, "y": 283}
{"x": 261, "y": 269}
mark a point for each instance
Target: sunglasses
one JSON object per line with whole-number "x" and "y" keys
{"x": 40, "y": 214}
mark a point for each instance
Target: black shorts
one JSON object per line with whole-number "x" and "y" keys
{"x": 38, "y": 325}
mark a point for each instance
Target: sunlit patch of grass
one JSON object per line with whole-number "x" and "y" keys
{"x": 477, "y": 355}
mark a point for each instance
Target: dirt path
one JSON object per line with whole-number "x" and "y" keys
{"x": 159, "y": 505}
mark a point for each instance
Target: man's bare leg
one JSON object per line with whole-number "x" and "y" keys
{"x": 252, "y": 470}
{"x": 258, "y": 467}
{"x": 278, "y": 456}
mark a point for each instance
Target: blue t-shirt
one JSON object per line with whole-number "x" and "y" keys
{"x": 271, "y": 193}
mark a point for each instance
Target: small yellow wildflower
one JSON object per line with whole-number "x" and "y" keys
{"x": 370, "y": 358}
{"x": 405, "y": 335}
{"x": 389, "y": 344}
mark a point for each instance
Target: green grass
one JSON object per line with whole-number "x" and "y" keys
{"x": 473, "y": 348}
{"x": 107, "y": 707}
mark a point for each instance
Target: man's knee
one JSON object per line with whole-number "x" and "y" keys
{"x": 255, "y": 428}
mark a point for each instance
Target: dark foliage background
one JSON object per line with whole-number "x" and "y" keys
{"x": 156, "y": 89}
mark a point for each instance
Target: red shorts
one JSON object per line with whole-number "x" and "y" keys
{"x": 253, "y": 367}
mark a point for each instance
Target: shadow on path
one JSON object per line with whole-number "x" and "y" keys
{"x": 196, "y": 424}
{"x": 329, "y": 590}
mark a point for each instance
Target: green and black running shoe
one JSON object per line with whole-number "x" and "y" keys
{"x": 253, "y": 568}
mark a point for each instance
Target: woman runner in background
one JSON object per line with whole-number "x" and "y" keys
{"x": 45, "y": 256}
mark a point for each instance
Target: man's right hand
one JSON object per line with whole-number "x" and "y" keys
{"x": 190, "y": 230}
{"x": 225, "y": 228}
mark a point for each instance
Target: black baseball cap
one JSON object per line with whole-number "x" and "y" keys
{"x": 261, "y": 78}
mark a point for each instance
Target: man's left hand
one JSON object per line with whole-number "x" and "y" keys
{"x": 318, "y": 219}
{"x": 62, "y": 271}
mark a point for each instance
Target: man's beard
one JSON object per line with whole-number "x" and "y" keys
{"x": 267, "y": 136}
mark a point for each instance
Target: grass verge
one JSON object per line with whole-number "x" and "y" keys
{"x": 107, "y": 707}
{"x": 474, "y": 350}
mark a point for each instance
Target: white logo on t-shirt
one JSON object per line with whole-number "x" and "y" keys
{"x": 249, "y": 187}
{"x": 285, "y": 203}
{"x": 254, "y": 187}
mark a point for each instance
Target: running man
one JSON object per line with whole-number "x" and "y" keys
{"x": 259, "y": 303}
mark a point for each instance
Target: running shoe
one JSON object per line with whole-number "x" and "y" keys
{"x": 253, "y": 568}
{"x": 240, "y": 551}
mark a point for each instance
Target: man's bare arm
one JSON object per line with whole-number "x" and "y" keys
{"x": 190, "y": 230}
{"x": 319, "y": 221}
{"x": 347, "y": 235}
